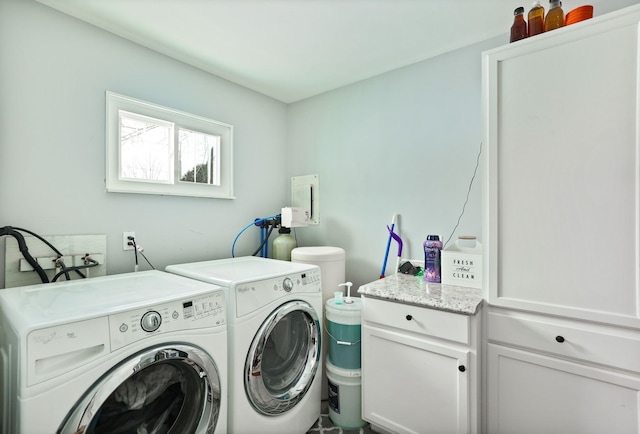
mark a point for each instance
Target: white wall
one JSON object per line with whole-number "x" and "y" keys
{"x": 54, "y": 71}
{"x": 404, "y": 142}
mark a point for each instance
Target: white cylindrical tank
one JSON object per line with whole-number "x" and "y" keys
{"x": 331, "y": 261}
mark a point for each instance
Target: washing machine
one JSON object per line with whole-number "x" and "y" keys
{"x": 132, "y": 353}
{"x": 274, "y": 320}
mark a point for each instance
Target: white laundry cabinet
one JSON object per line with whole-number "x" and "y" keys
{"x": 562, "y": 225}
{"x": 420, "y": 365}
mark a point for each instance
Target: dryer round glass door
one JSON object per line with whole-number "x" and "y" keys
{"x": 283, "y": 358}
{"x": 173, "y": 389}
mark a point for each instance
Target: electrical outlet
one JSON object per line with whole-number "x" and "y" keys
{"x": 125, "y": 240}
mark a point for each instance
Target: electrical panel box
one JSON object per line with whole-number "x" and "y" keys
{"x": 305, "y": 194}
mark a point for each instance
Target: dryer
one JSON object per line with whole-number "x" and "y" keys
{"x": 129, "y": 353}
{"x": 274, "y": 315}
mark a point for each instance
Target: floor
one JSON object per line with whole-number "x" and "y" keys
{"x": 325, "y": 426}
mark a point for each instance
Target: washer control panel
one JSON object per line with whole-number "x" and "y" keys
{"x": 151, "y": 321}
{"x": 250, "y": 296}
{"x": 287, "y": 284}
{"x": 207, "y": 310}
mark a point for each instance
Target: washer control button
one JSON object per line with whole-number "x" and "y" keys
{"x": 151, "y": 321}
{"x": 288, "y": 284}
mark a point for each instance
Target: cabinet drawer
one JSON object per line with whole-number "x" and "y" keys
{"x": 430, "y": 322}
{"x": 600, "y": 344}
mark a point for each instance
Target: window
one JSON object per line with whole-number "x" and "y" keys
{"x": 158, "y": 150}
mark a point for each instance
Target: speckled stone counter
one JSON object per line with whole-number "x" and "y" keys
{"x": 414, "y": 290}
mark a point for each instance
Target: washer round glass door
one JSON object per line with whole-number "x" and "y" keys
{"x": 170, "y": 389}
{"x": 283, "y": 358}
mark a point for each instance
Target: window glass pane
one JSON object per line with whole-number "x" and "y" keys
{"x": 199, "y": 162}
{"x": 146, "y": 149}
{"x": 153, "y": 149}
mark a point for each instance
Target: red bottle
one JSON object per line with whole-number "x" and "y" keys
{"x": 519, "y": 27}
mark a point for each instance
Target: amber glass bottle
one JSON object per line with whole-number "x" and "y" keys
{"x": 555, "y": 16}
{"x": 535, "y": 19}
{"x": 519, "y": 27}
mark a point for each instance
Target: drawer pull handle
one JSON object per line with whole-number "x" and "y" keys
{"x": 461, "y": 368}
{"x": 409, "y": 317}
{"x": 559, "y": 339}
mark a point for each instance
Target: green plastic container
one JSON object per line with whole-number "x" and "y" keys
{"x": 344, "y": 330}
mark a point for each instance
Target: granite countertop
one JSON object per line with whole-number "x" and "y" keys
{"x": 414, "y": 290}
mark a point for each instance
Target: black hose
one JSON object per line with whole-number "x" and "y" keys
{"x": 65, "y": 270}
{"x": 52, "y": 247}
{"x": 263, "y": 241}
{"x": 77, "y": 269}
{"x": 22, "y": 246}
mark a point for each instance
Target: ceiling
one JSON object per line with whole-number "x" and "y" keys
{"x": 295, "y": 49}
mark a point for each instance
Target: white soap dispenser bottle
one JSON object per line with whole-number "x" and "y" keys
{"x": 347, "y": 300}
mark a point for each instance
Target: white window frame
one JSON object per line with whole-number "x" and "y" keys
{"x": 116, "y": 103}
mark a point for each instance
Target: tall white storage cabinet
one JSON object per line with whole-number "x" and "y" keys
{"x": 562, "y": 224}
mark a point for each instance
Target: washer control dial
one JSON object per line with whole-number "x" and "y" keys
{"x": 150, "y": 321}
{"x": 287, "y": 284}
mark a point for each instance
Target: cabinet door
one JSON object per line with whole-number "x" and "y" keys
{"x": 410, "y": 385}
{"x": 532, "y": 393}
{"x": 5, "y": 390}
{"x": 562, "y": 171}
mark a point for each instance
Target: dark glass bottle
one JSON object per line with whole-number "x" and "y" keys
{"x": 519, "y": 27}
{"x": 535, "y": 19}
{"x": 555, "y": 16}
